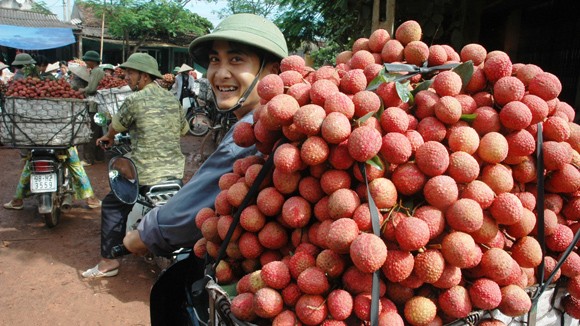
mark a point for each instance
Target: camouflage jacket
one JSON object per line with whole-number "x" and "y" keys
{"x": 172, "y": 226}
{"x": 155, "y": 121}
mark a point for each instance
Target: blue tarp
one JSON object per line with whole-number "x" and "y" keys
{"x": 35, "y": 38}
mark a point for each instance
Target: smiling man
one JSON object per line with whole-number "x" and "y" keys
{"x": 241, "y": 50}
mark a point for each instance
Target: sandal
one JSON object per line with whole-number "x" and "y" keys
{"x": 93, "y": 202}
{"x": 10, "y": 205}
{"x": 96, "y": 273}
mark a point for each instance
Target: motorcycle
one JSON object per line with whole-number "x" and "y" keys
{"x": 50, "y": 182}
{"x": 124, "y": 183}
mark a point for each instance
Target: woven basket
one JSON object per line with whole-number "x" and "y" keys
{"x": 46, "y": 122}
{"x": 109, "y": 100}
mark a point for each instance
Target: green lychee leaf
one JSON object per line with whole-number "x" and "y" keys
{"x": 376, "y": 162}
{"x": 468, "y": 117}
{"x": 382, "y": 77}
{"x": 379, "y": 79}
{"x": 403, "y": 91}
{"x": 364, "y": 118}
{"x": 465, "y": 71}
{"x": 422, "y": 86}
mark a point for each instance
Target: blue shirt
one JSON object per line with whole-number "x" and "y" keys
{"x": 172, "y": 226}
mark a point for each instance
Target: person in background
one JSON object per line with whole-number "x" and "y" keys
{"x": 90, "y": 152}
{"x": 50, "y": 71}
{"x": 175, "y": 70}
{"x": 155, "y": 122}
{"x": 23, "y": 64}
{"x": 80, "y": 181}
{"x": 108, "y": 68}
{"x": 183, "y": 86}
{"x": 41, "y": 64}
{"x": 63, "y": 69}
{"x": 79, "y": 77}
{"x": 240, "y": 51}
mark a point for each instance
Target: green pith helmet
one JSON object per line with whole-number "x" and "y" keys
{"x": 246, "y": 29}
{"x": 175, "y": 70}
{"x": 143, "y": 62}
{"x": 23, "y": 59}
{"x": 92, "y": 56}
{"x": 107, "y": 66}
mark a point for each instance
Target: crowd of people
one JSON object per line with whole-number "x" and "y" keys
{"x": 154, "y": 118}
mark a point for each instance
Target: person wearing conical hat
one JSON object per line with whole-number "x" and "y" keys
{"x": 79, "y": 77}
{"x": 50, "y": 71}
{"x": 183, "y": 86}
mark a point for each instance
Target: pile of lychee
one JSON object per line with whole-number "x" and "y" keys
{"x": 452, "y": 172}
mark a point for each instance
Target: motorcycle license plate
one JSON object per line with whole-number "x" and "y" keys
{"x": 43, "y": 182}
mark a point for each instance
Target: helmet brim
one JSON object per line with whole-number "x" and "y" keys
{"x": 199, "y": 47}
{"x": 140, "y": 68}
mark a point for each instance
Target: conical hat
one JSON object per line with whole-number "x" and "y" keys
{"x": 81, "y": 71}
{"x": 3, "y": 65}
{"x": 52, "y": 67}
{"x": 184, "y": 68}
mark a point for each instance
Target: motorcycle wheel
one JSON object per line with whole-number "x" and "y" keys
{"x": 199, "y": 125}
{"x": 51, "y": 219}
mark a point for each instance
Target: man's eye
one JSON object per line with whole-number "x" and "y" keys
{"x": 213, "y": 59}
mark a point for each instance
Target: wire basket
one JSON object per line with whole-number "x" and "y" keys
{"x": 45, "y": 122}
{"x": 109, "y": 100}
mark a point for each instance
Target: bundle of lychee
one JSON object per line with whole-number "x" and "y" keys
{"x": 111, "y": 82}
{"x": 167, "y": 81}
{"x": 450, "y": 161}
{"x": 34, "y": 87}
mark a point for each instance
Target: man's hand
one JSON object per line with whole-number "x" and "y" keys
{"x": 104, "y": 142}
{"x": 133, "y": 243}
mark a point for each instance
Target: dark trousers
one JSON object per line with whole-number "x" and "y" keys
{"x": 90, "y": 152}
{"x": 114, "y": 214}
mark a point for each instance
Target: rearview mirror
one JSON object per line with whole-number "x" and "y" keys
{"x": 100, "y": 119}
{"x": 123, "y": 179}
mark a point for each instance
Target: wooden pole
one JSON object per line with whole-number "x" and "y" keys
{"x": 102, "y": 29}
{"x": 390, "y": 11}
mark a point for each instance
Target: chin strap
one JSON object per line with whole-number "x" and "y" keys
{"x": 244, "y": 96}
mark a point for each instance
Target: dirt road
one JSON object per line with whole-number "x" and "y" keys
{"x": 40, "y": 281}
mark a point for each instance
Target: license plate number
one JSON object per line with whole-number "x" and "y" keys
{"x": 43, "y": 182}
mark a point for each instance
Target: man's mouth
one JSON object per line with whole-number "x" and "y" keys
{"x": 227, "y": 89}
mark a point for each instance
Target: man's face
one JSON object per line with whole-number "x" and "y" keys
{"x": 231, "y": 71}
{"x": 91, "y": 64}
{"x": 133, "y": 78}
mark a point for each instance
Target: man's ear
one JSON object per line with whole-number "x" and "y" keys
{"x": 275, "y": 68}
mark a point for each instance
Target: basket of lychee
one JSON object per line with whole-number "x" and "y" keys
{"x": 454, "y": 166}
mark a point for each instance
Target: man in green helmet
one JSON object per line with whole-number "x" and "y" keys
{"x": 241, "y": 50}
{"x": 23, "y": 65}
{"x": 155, "y": 121}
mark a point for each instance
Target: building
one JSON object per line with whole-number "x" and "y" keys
{"x": 169, "y": 53}
{"x": 34, "y": 33}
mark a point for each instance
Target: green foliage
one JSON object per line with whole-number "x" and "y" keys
{"x": 376, "y": 162}
{"x": 143, "y": 20}
{"x": 41, "y": 8}
{"x": 323, "y": 22}
{"x": 264, "y": 8}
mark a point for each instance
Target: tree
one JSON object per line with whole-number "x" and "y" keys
{"x": 41, "y": 7}
{"x": 264, "y": 8}
{"x": 142, "y": 21}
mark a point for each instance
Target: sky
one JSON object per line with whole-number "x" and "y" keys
{"x": 202, "y": 8}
